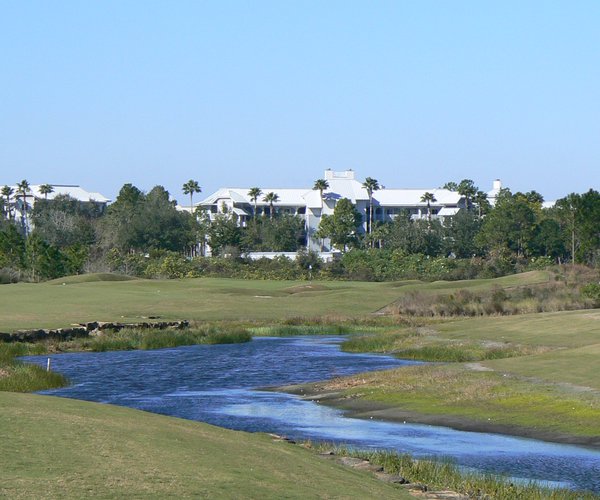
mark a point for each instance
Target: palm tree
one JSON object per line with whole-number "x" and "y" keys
{"x": 271, "y": 198}
{"x": 22, "y": 190}
{"x": 254, "y": 194}
{"x": 7, "y": 192}
{"x": 191, "y": 187}
{"x": 371, "y": 185}
{"x": 428, "y": 198}
{"x": 321, "y": 185}
{"x": 481, "y": 200}
{"x": 46, "y": 189}
{"x": 467, "y": 188}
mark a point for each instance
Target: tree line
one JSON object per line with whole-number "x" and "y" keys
{"x": 144, "y": 233}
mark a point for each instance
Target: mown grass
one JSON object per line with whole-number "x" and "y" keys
{"x": 50, "y": 305}
{"x": 443, "y": 474}
{"x": 487, "y": 397}
{"x": 64, "y": 448}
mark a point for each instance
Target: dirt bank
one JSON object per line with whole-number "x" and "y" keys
{"x": 360, "y": 408}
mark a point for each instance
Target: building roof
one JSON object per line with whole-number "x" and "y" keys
{"x": 341, "y": 185}
{"x": 76, "y": 192}
{"x": 412, "y": 197}
{"x": 287, "y": 197}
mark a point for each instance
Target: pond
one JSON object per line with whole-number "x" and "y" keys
{"x": 217, "y": 384}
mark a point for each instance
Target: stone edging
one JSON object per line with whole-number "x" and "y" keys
{"x": 86, "y": 330}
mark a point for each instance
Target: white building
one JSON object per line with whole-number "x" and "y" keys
{"x": 17, "y": 201}
{"x": 307, "y": 202}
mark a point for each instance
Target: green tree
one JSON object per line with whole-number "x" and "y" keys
{"x": 460, "y": 234}
{"x": 46, "y": 189}
{"x": 254, "y": 195}
{"x": 282, "y": 234}
{"x": 7, "y": 192}
{"x": 158, "y": 225}
{"x": 271, "y": 198}
{"x": 44, "y": 261}
{"x": 587, "y": 219}
{"x": 565, "y": 212}
{"x": 341, "y": 227}
{"x": 371, "y": 185}
{"x": 23, "y": 191}
{"x": 12, "y": 247}
{"x": 428, "y": 198}
{"x": 64, "y": 221}
{"x": 450, "y": 186}
{"x": 191, "y": 187}
{"x": 468, "y": 190}
{"x": 321, "y": 185}
{"x": 224, "y": 232}
{"x": 483, "y": 205}
{"x": 511, "y": 224}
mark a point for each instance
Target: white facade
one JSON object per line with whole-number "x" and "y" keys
{"x": 17, "y": 202}
{"x": 307, "y": 203}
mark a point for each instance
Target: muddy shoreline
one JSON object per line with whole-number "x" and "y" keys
{"x": 370, "y": 410}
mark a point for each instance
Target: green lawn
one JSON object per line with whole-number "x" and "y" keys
{"x": 573, "y": 335}
{"x": 53, "y": 447}
{"x": 100, "y": 298}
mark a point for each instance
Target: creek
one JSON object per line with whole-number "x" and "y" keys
{"x": 217, "y": 384}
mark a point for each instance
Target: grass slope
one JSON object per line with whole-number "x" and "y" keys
{"x": 574, "y": 337}
{"x": 100, "y": 298}
{"x": 53, "y": 447}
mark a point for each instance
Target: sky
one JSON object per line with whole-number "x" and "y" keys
{"x": 271, "y": 93}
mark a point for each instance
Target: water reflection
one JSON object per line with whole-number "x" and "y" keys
{"x": 215, "y": 384}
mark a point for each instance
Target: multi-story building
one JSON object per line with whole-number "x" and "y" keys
{"x": 21, "y": 205}
{"x": 307, "y": 203}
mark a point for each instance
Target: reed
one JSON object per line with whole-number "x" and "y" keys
{"x": 139, "y": 338}
{"x": 21, "y": 377}
{"x": 444, "y": 474}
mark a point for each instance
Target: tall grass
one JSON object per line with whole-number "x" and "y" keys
{"x": 22, "y": 377}
{"x": 410, "y": 344}
{"x": 291, "y": 330}
{"x": 444, "y": 474}
{"x": 138, "y": 338}
{"x": 548, "y": 297}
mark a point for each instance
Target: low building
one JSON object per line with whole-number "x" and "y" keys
{"x": 20, "y": 205}
{"x": 307, "y": 203}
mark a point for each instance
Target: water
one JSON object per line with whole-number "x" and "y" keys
{"x": 216, "y": 384}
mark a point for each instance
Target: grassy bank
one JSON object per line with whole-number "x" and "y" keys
{"x": 53, "y": 447}
{"x": 21, "y": 377}
{"x": 445, "y": 475}
{"x": 54, "y": 304}
{"x": 479, "y": 399}
{"x": 137, "y": 338}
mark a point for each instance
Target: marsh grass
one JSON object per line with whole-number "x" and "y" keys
{"x": 384, "y": 342}
{"x": 490, "y": 397}
{"x": 324, "y": 329}
{"x": 444, "y": 474}
{"x": 21, "y": 377}
{"x": 534, "y": 298}
{"x": 414, "y": 344}
{"x": 139, "y": 338}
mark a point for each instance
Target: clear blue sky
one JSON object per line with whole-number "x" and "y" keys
{"x": 270, "y": 93}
